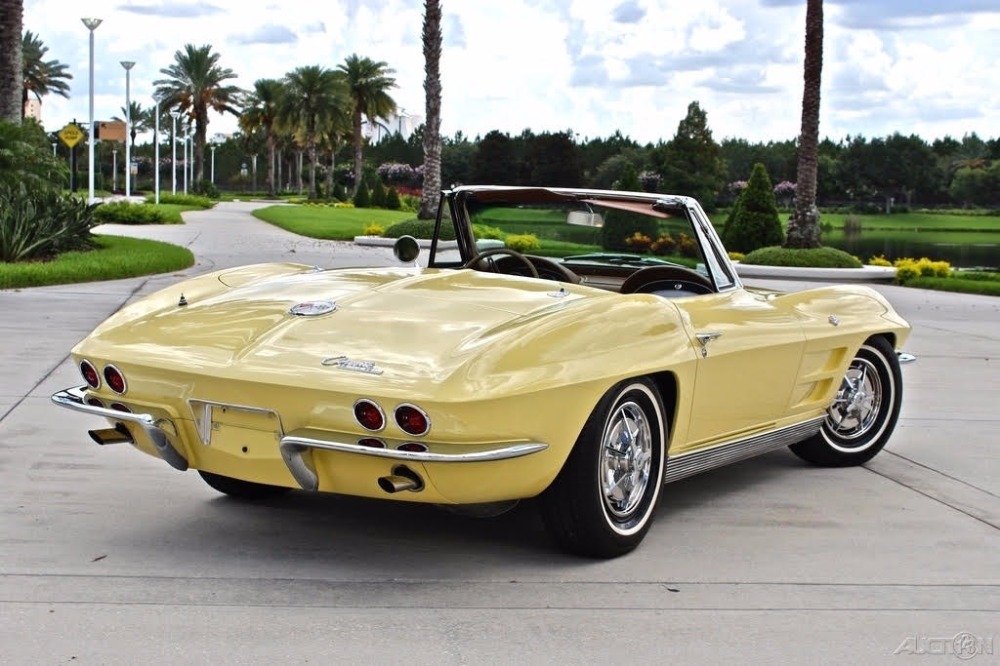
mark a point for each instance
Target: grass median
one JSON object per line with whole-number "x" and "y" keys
{"x": 114, "y": 258}
{"x": 328, "y": 223}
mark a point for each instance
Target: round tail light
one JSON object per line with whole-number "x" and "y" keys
{"x": 372, "y": 443}
{"x": 412, "y": 420}
{"x": 369, "y": 415}
{"x": 119, "y": 407}
{"x": 90, "y": 374}
{"x": 115, "y": 379}
{"x": 412, "y": 447}
{"x": 94, "y": 402}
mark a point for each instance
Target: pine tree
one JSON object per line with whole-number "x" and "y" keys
{"x": 753, "y": 222}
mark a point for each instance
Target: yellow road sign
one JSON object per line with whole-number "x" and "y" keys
{"x": 71, "y": 135}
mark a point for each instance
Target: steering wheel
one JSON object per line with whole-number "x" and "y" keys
{"x": 471, "y": 263}
{"x": 648, "y": 279}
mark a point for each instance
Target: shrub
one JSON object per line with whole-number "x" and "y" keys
{"x": 522, "y": 242}
{"x": 339, "y": 193}
{"x": 638, "y": 242}
{"x": 378, "y": 194}
{"x": 124, "y": 212}
{"x": 373, "y": 230}
{"x": 418, "y": 229}
{"x": 907, "y": 269}
{"x": 484, "y": 231}
{"x": 819, "y": 257}
{"x": 39, "y": 223}
{"x": 183, "y": 200}
{"x": 26, "y": 157}
{"x": 753, "y": 221}
{"x": 737, "y": 256}
{"x": 620, "y": 226}
{"x": 206, "y": 188}
{"x": 392, "y": 201}
{"x": 686, "y": 246}
{"x": 663, "y": 245}
{"x": 879, "y": 260}
{"x": 362, "y": 198}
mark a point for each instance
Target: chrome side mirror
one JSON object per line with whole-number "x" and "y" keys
{"x": 406, "y": 249}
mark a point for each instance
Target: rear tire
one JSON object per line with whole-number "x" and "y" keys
{"x": 863, "y": 415}
{"x": 602, "y": 502}
{"x": 247, "y": 490}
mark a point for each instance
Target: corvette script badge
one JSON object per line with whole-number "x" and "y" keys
{"x": 344, "y": 363}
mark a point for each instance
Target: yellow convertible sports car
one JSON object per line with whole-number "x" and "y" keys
{"x": 483, "y": 376}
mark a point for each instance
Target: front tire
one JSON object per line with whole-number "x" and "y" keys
{"x": 864, "y": 413}
{"x": 602, "y": 502}
{"x": 247, "y": 490}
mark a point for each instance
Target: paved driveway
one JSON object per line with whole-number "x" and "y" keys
{"x": 109, "y": 556}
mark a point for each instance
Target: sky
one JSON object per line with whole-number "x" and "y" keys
{"x": 592, "y": 67}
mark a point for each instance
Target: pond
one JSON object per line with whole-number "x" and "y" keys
{"x": 960, "y": 249}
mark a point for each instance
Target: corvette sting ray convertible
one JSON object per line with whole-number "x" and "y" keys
{"x": 478, "y": 376}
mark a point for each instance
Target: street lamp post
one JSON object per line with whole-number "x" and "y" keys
{"x": 128, "y": 64}
{"x": 213, "y": 164}
{"x": 114, "y": 169}
{"x": 253, "y": 163}
{"x": 91, "y": 24}
{"x": 187, "y": 136}
{"x": 156, "y": 151}
{"x": 173, "y": 144}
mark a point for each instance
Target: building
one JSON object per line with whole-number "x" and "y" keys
{"x": 33, "y": 109}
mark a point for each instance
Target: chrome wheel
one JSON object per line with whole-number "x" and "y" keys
{"x": 863, "y": 413}
{"x": 626, "y": 458}
{"x": 856, "y": 408}
{"x": 603, "y": 501}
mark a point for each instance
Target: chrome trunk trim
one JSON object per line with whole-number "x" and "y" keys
{"x": 703, "y": 460}
{"x": 75, "y": 399}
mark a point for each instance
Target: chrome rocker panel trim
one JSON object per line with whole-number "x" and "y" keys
{"x": 74, "y": 398}
{"x": 295, "y": 444}
{"x": 703, "y": 460}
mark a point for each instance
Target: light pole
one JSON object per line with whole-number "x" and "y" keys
{"x": 53, "y": 149}
{"x": 156, "y": 151}
{"x": 187, "y": 135}
{"x": 114, "y": 169}
{"x": 91, "y": 24}
{"x": 173, "y": 157}
{"x": 128, "y": 64}
{"x": 253, "y": 163}
{"x": 213, "y": 163}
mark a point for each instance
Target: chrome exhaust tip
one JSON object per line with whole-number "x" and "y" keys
{"x": 111, "y": 436}
{"x": 402, "y": 478}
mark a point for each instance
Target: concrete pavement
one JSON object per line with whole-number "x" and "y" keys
{"x": 108, "y": 556}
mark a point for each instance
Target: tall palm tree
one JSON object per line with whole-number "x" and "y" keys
{"x": 803, "y": 225}
{"x": 261, "y": 110}
{"x": 432, "y": 104}
{"x": 316, "y": 98}
{"x": 142, "y": 120}
{"x": 41, "y": 77}
{"x": 195, "y": 84}
{"x": 11, "y": 79}
{"x": 368, "y": 82}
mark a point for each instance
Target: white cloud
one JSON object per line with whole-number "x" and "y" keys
{"x": 922, "y": 66}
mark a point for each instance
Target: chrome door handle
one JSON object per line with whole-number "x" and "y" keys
{"x": 705, "y": 338}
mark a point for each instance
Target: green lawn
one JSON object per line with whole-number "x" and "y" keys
{"x": 327, "y": 222}
{"x": 116, "y": 257}
{"x": 919, "y": 222}
{"x": 966, "y": 282}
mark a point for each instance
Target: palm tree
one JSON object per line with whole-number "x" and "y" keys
{"x": 261, "y": 110}
{"x": 142, "y": 119}
{"x": 196, "y": 83}
{"x": 803, "y": 225}
{"x": 41, "y": 76}
{"x": 432, "y": 103}
{"x": 368, "y": 82}
{"x": 11, "y": 79}
{"x": 317, "y": 98}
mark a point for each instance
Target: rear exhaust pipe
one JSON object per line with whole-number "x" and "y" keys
{"x": 402, "y": 478}
{"x": 117, "y": 435}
